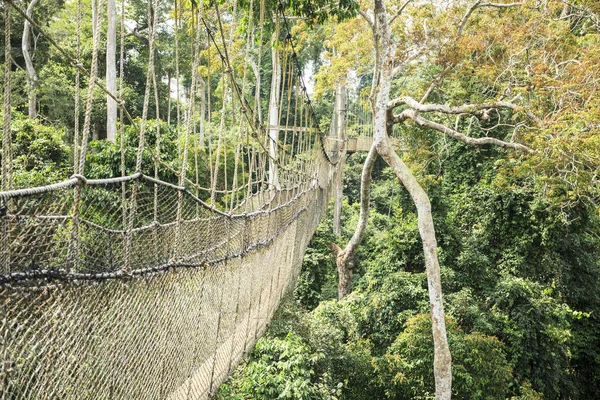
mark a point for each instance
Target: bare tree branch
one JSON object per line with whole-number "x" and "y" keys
{"x": 399, "y": 11}
{"x": 481, "y": 110}
{"x": 500, "y": 5}
{"x": 479, "y": 4}
{"x": 367, "y": 18}
{"x": 137, "y": 32}
{"x": 464, "y": 109}
{"x": 412, "y": 114}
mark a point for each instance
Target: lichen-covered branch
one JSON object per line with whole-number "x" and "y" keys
{"x": 411, "y": 114}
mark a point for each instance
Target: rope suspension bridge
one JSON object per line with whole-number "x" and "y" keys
{"x": 147, "y": 285}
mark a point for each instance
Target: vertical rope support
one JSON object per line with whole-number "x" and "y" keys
{"x": 250, "y": 171}
{"x": 73, "y": 254}
{"x": 5, "y": 367}
{"x": 6, "y": 134}
{"x": 6, "y": 141}
{"x": 188, "y": 131}
{"x": 121, "y": 116}
{"x": 77, "y": 99}
{"x": 152, "y": 20}
{"x": 177, "y": 21}
{"x": 155, "y": 238}
{"x": 197, "y": 167}
{"x": 236, "y": 161}
{"x": 215, "y": 179}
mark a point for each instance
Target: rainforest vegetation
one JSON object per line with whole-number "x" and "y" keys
{"x": 466, "y": 262}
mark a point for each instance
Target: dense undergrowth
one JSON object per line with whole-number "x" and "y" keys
{"x": 522, "y": 295}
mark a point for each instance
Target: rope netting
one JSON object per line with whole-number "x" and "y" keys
{"x": 152, "y": 284}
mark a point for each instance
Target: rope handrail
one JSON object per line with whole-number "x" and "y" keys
{"x": 74, "y": 181}
{"x": 66, "y": 275}
{"x": 98, "y": 277}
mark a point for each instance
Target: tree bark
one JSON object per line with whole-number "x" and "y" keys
{"x": 202, "y": 110}
{"x": 442, "y": 365}
{"x": 111, "y": 70}
{"x": 96, "y": 133}
{"x": 340, "y": 110}
{"x": 32, "y": 78}
{"x": 344, "y": 271}
{"x": 274, "y": 116}
{"x": 344, "y": 259}
{"x": 169, "y": 97}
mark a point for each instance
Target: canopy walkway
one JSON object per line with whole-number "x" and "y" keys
{"x": 147, "y": 285}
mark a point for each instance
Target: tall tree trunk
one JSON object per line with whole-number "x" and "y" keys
{"x": 340, "y": 110}
{"x": 344, "y": 259}
{"x": 383, "y": 124}
{"x": 169, "y": 97}
{"x": 32, "y": 78}
{"x": 96, "y": 132}
{"x": 442, "y": 367}
{"x": 111, "y": 70}
{"x": 202, "y": 110}
{"x": 256, "y": 71}
{"x": 274, "y": 117}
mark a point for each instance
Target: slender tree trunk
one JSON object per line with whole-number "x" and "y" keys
{"x": 202, "y": 110}
{"x": 566, "y": 11}
{"x": 256, "y": 72}
{"x": 344, "y": 259}
{"x": 169, "y": 97}
{"x": 340, "y": 110}
{"x": 96, "y": 133}
{"x": 32, "y": 78}
{"x": 383, "y": 124}
{"x": 442, "y": 359}
{"x": 111, "y": 70}
{"x": 274, "y": 117}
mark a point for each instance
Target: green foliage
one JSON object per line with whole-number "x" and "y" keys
{"x": 321, "y": 10}
{"x": 41, "y": 156}
{"x": 280, "y": 369}
{"x": 479, "y": 367}
{"x": 38, "y": 144}
{"x": 317, "y": 279}
{"x": 520, "y": 274}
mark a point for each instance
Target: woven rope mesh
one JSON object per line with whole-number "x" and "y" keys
{"x": 135, "y": 287}
{"x": 173, "y": 328}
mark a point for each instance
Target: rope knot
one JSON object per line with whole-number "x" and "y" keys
{"x": 77, "y": 64}
{"x": 82, "y": 180}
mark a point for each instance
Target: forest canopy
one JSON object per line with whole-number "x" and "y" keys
{"x": 465, "y": 256}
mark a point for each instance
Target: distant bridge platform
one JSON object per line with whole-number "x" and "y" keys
{"x": 363, "y": 143}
